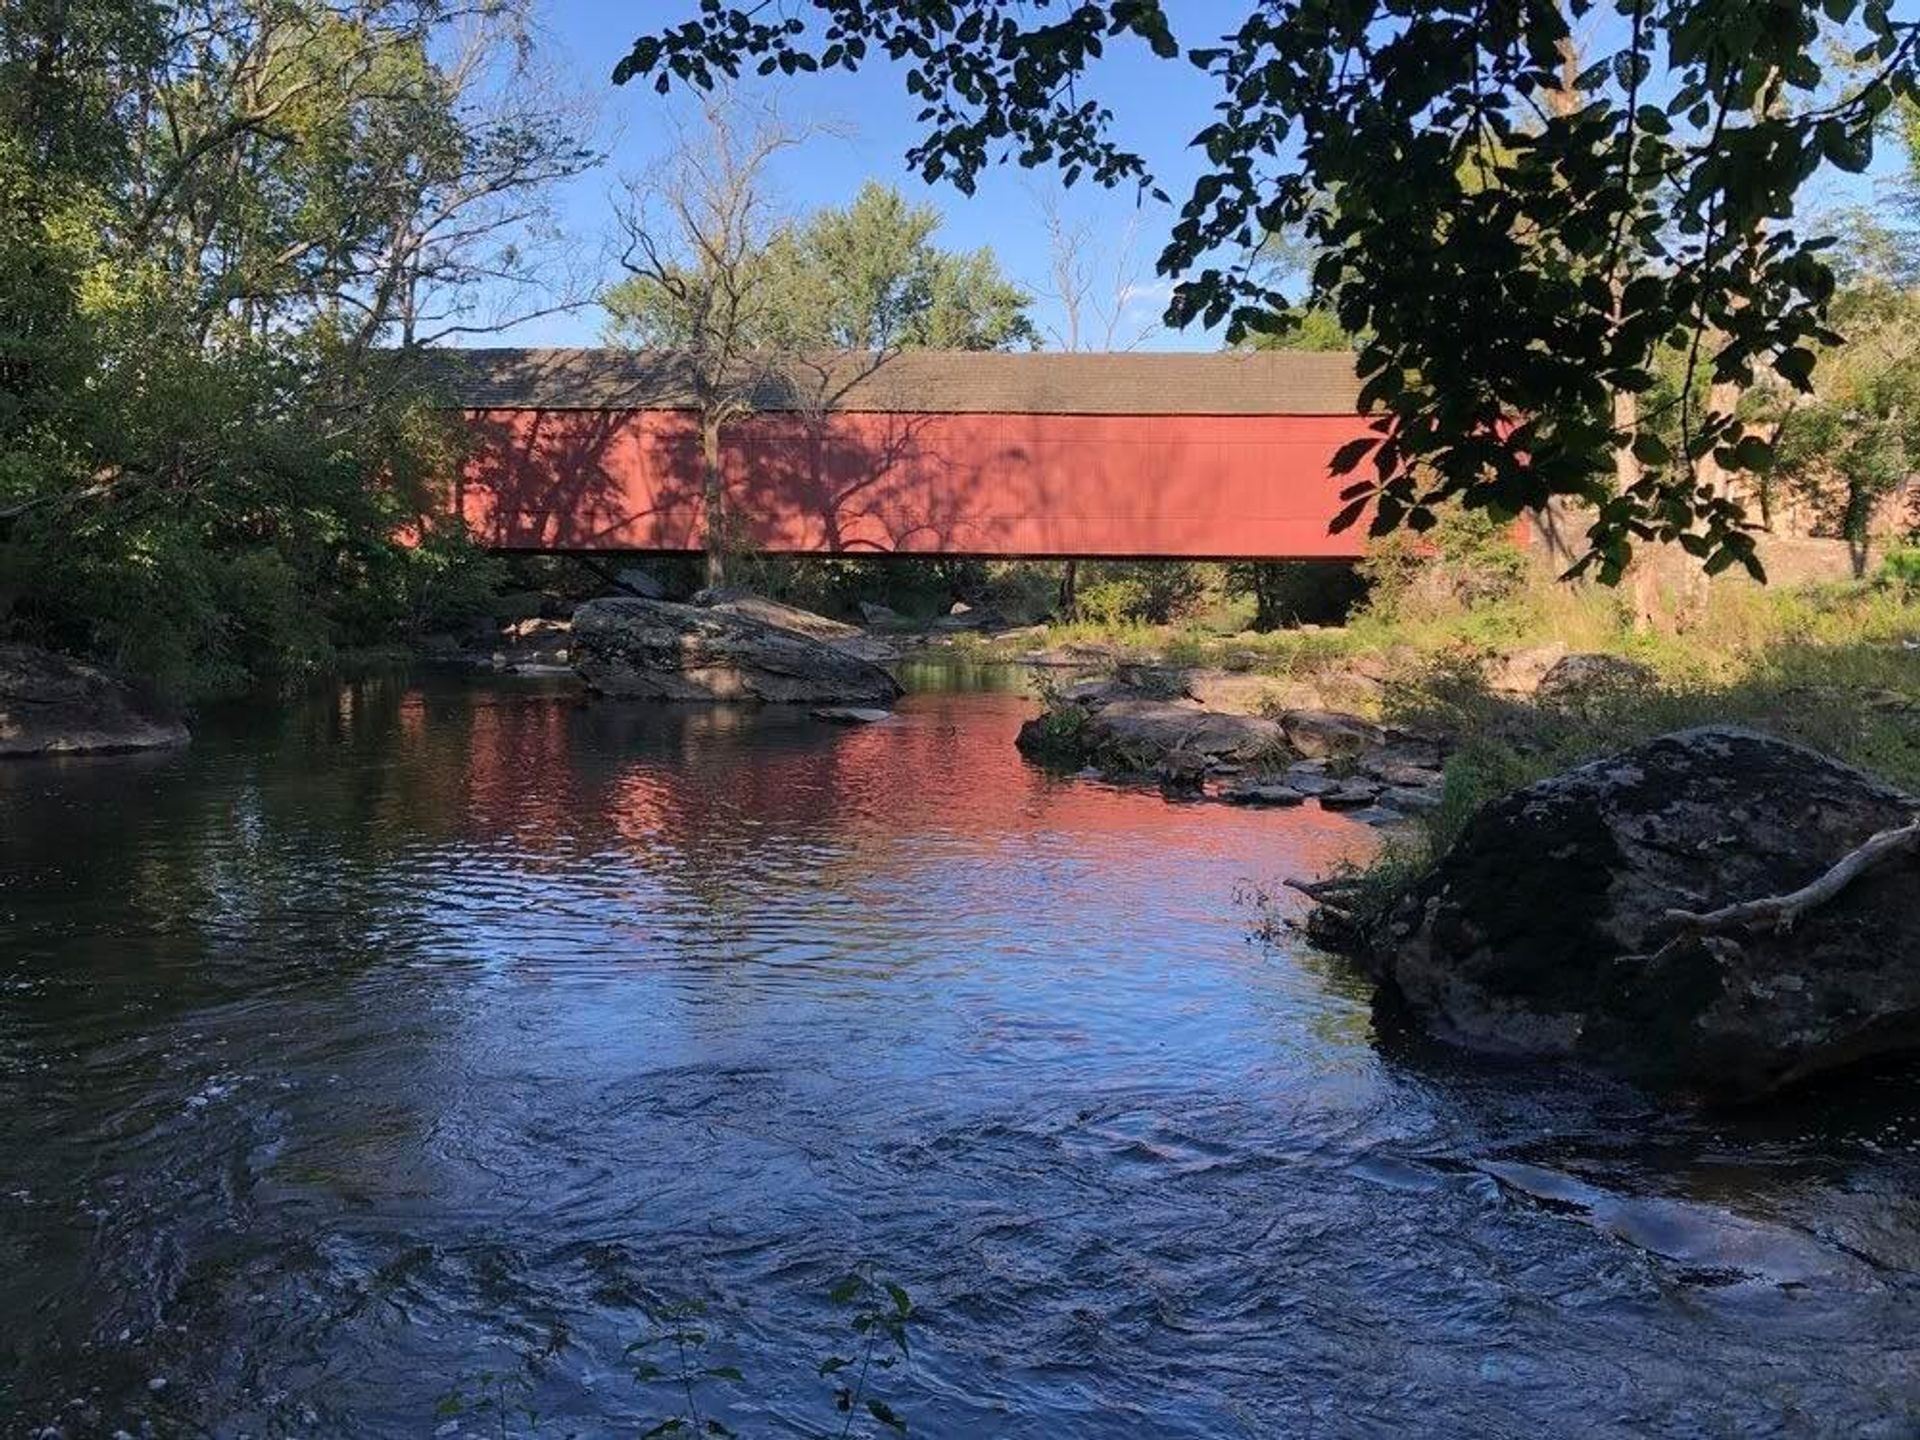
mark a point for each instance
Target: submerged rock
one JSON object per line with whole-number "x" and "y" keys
{"x": 655, "y": 650}
{"x": 852, "y": 714}
{"x": 1548, "y": 928}
{"x": 1263, "y": 794}
{"x": 53, "y": 705}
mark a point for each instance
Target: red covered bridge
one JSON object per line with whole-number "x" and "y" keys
{"x": 1206, "y": 456}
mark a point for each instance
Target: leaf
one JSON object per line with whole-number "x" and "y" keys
{"x": 1752, "y": 453}
{"x": 1348, "y": 514}
{"x": 1348, "y": 457}
{"x": 900, "y": 1301}
{"x": 1650, "y": 449}
{"x": 724, "y": 1372}
{"x": 1721, "y": 559}
{"x": 1848, "y": 149}
{"x": 845, "y": 1289}
{"x": 672, "y": 1425}
{"x": 1795, "y": 365}
{"x": 834, "y": 1363}
{"x": 883, "y": 1412}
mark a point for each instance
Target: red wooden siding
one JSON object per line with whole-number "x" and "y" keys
{"x": 1007, "y": 485}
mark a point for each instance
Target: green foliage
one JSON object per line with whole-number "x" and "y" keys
{"x": 1515, "y": 254}
{"x": 868, "y": 277}
{"x": 1901, "y": 568}
{"x": 1468, "y": 558}
{"x": 1306, "y": 327}
{"x": 1057, "y": 736}
{"x": 1856, "y": 439}
{"x": 1297, "y": 592}
{"x": 1849, "y": 694}
{"x": 1143, "y": 592}
{"x": 672, "y": 1359}
{"x": 209, "y": 219}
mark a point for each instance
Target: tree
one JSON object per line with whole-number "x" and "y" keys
{"x": 1094, "y": 286}
{"x": 1097, "y": 285}
{"x": 718, "y": 276}
{"x": 1470, "y": 230}
{"x": 212, "y": 216}
{"x": 869, "y": 278}
{"x": 1856, "y": 440}
{"x": 698, "y": 229}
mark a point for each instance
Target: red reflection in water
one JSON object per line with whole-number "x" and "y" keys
{"x": 556, "y": 772}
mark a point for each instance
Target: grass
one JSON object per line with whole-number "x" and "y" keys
{"x": 1739, "y": 627}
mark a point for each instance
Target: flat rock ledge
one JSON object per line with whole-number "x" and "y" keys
{"x": 630, "y": 648}
{"x": 1588, "y": 917}
{"x": 53, "y": 705}
{"x": 1142, "y": 726}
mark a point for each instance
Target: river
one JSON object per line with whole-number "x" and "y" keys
{"x": 390, "y": 1062}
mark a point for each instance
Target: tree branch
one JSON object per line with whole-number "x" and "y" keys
{"x": 1782, "y": 911}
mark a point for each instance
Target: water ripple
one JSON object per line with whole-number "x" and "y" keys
{"x": 417, "y": 1032}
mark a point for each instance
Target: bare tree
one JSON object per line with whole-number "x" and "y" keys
{"x": 475, "y": 245}
{"x": 696, "y": 230}
{"x": 1098, "y": 290}
{"x": 1097, "y": 287}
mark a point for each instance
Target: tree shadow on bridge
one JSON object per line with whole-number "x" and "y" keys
{"x": 812, "y": 473}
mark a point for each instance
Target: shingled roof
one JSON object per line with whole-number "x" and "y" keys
{"x": 914, "y": 382}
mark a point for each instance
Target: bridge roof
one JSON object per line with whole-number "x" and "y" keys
{"x": 913, "y": 382}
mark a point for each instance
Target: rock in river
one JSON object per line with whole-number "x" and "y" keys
{"x": 1136, "y": 735}
{"x": 1549, "y": 928}
{"x": 654, "y": 650}
{"x": 51, "y": 705}
{"x": 1330, "y": 733}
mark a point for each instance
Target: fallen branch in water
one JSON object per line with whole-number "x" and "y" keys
{"x": 1327, "y": 892}
{"x": 1784, "y": 910}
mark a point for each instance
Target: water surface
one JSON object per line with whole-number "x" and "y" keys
{"x": 426, "y": 1032}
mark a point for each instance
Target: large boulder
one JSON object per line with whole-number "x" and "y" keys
{"x": 775, "y": 613}
{"x": 1133, "y": 734}
{"x": 1331, "y": 734}
{"x": 1149, "y": 730}
{"x": 53, "y": 705}
{"x": 1550, "y": 927}
{"x": 655, "y": 650}
{"x": 1573, "y": 678}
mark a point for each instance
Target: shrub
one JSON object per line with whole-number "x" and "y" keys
{"x": 1144, "y": 592}
{"x": 1901, "y": 568}
{"x": 1297, "y": 592}
{"x": 1468, "y": 560}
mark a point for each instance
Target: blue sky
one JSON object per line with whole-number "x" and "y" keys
{"x": 1164, "y": 105}
{"x": 1159, "y": 106}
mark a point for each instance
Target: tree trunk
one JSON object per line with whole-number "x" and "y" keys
{"x": 1859, "y": 528}
{"x": 713, "y": 502}
{"x": 1069, "y": 602}
{"x": 1723, "y": 398}
{"x": 1642, "y": 583}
